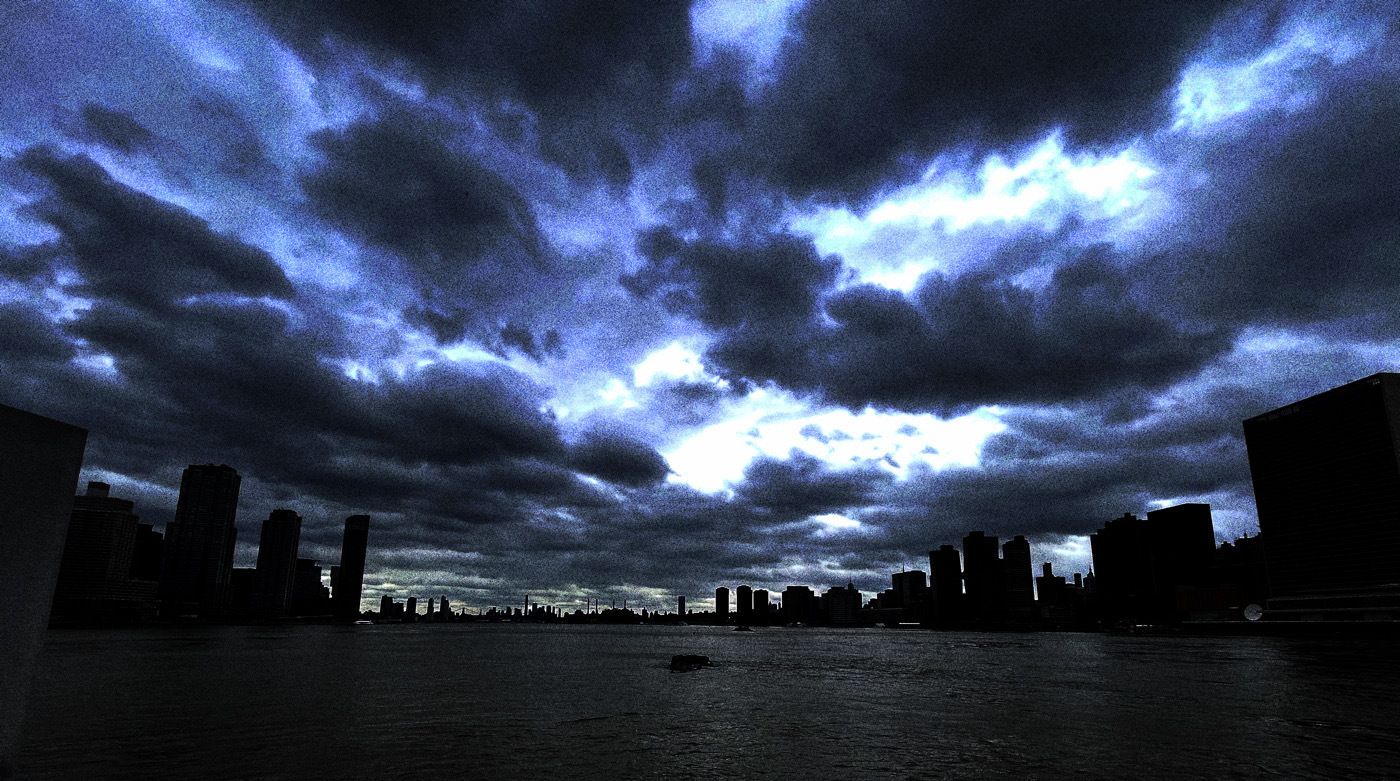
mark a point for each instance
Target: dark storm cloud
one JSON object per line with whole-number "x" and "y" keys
{"x": 953, "y": 344}
{"x": 468, "y": 236}
{"x": 128, "y": 245}
{"x": 618, "y": 458}
{"x": 1301, "y": 216}
{"x": 394, "y": 183}
{"x": 868, "y": 94}
{"x": 591, "y": 71}
{"x": 114, "y": 129}
{"x": 802, "y": 485}
{"x": 26, "y": 337}
{"x": 775, "y": 281}
{"x": 212, "y": 359}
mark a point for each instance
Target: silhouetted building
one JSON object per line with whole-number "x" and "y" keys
{"x": 1327, "y": 487}
{"x": 722, "y": 604}
{"x": 910, "y": 594}
{"x": 444, "y": 610}
{"x": 743, "y": 604}
{"x": 94, "y": 579}
{"x": 1017, "y": 579}
{"x": 1242, "y": 565}
{"x": 352, "y": 568}
{"x": 39, "y": 463}
{"x": 680, "y": 605}
{"x": 1123, "y": 568}
{"x": 411, "y": 609}
{"x": 982, "y": 574}
{"x": 277, "y": 556}
{"x": 1141, "y": 565}
{"x": 760, "y": 606}
{"x": 146, "y": 553}
{"x": 310, "y": 597}
{"x": 842, "y": 605}
{"x": 1050, "y": 587}
{"x": 199, "y": 543}
{"x": 945, "y": 575}
{"x": 801, "y": 605}
{"x": 240, "y": 590}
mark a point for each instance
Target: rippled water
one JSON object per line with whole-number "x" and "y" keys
{"x": 522, "y": 701}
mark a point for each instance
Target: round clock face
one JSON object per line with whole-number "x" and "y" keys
{"x": 1253, "y": 612}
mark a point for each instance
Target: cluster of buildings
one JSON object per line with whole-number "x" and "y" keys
{"x": 1325, "y": 470}
{"x": 115, "y": 569}
{"x": 1326, "y": 476}
{"x": 1162, "y": 569}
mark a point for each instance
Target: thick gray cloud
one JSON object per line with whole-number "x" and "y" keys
{"x": 592, "y": 73}
{"x": 114, "y": 129}
{"x": 468, "y": 236}
{"x": 1299, "y": 217}
{"x": 212, "y": 359}
{"x": 864, "y": 96}
{"x": 953, "y": 344}
{"x": 127, "y": 244}
{"x": 1122, "y": 361}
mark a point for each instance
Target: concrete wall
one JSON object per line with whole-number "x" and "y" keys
{"x": 39, "y": 464}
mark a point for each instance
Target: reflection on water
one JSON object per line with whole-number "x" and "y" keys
{"x": 506, "y": 701}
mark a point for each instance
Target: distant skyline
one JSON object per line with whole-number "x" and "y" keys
{"x": 637, "y": 299}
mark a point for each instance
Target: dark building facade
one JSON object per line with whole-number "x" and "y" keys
{"x": 801, "y": 605}
{"x": 95, "y": 581}
{"x": 351, "y": 574}
{"x": 945, "y": 582}
{"x": 1142, "y": 566}
{"x": 1017, "y": 578}
{"x": 982, "y": 575}
{"x": 722, "y": 604}
{"x": 277, "y": 558}
{"x": 1326, "y": 479}
{"x": 198, "y": 555}
{"x": 39, "y": 463}
{"x": 743, "y": 603}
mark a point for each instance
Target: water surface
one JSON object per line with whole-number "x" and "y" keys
{"x": 527, "y": 701}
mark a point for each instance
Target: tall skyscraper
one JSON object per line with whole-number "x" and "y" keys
{"x": 800, "y": 603}
{"x": 743, "y": 603}
{"x": 680, "y": 606}
{"x": 760, "y": 606}
{"x": 198, "y": 556}
{"x": 277, "y": 558}
{"x": 39, "y": 463}
{"x": 945, "y": 575}
{"x": 842, "y": 605}
{"x": 352, "y": 568}
{"x": 1326, "y": 474}
{"x": 1018, "y": 577}
{"x": 982, "y": 573}
{"x": 1139, "y": 564}
{"x": 722, "y": 603}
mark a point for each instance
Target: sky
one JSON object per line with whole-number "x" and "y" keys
{"x": 584, "y": 299}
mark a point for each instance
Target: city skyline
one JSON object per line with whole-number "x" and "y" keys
{"x": 636, "y": 299}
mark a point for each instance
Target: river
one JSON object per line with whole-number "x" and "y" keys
{"x": 549, "y": 701}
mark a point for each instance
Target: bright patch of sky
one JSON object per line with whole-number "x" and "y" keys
{"x": 774, "y": 425}
{"x": 674, "y": 360}
{"x": 757, "y": 28}
{"x": 184, "y": 29}
{"x": 1210, "y": 92}
{"x": 1040, "y": 186}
